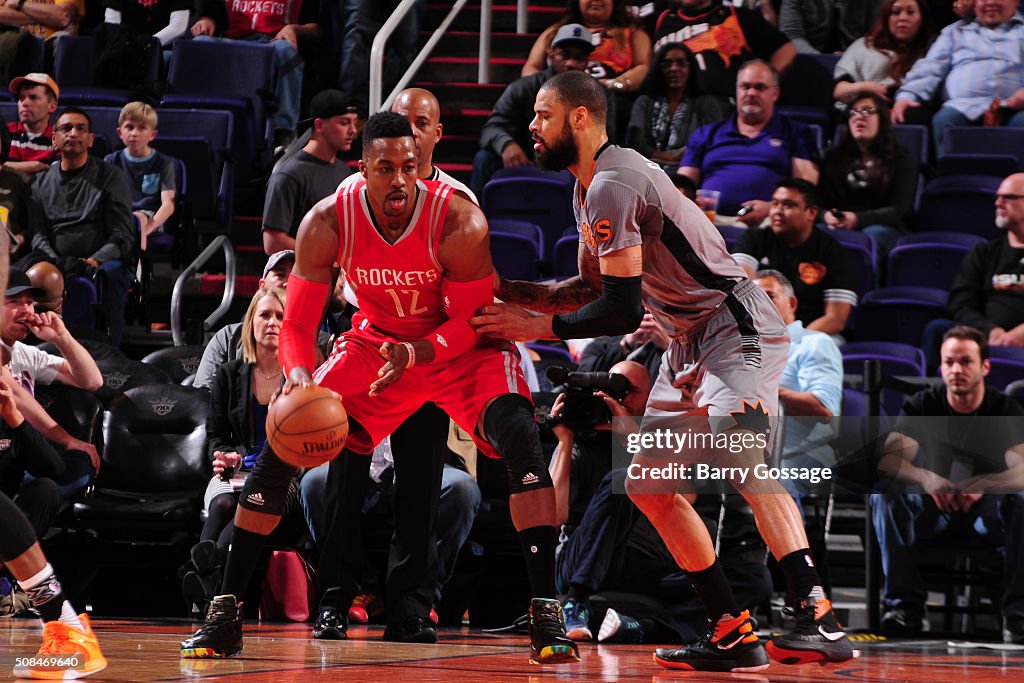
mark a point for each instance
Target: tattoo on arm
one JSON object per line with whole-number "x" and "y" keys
{"x": 562, "y": 297}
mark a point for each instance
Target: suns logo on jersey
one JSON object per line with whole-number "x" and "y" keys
{"x": 812, "y": 273}
{"x": 599, "y": 232}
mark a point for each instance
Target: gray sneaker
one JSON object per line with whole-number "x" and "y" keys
{"x": 901, "y": 622}
{"x": 13, "y": 603}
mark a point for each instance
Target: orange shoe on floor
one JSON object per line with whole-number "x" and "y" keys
{"x": 366, "y": 607}
{"x": 66, "y": 653}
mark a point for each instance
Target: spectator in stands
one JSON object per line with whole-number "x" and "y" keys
{"x": 506, "y": 140}
{"x": 363, "y": 20}
{"x": 945, "y": 475}
{"x": 817, "y": 26}
{"x": 607, "y": 544}
{"x": 165, "y": 20}
{"x": 879, "y": 61}
{"x": 32, "y": 143}
{"x": 150, "y": 173}
{"x": 867, "y": 180}
{"x": 84, "y": 206}
{"x": 226, "y": 343}
{"x": 47, "y": 278}
{"x": 281, "y": 25}
{"x": 820, "y": 270}
{"x": 29, "y": 366}
{"x": 670, "y": 107}
{"x": 743, "y": 156}
{"x": 811, "y": 384}
{"x": 975, "y": 66}
{"x": 723, "y": 38}
{"x": 314, "y": 172}
{"x": 988, "y": 293}
{"x": 644, "y": 346}
{"x": 239, "y": 399}
{"x": 14, "y": 196}
{"x": 23, "y": 451}
{"x": 44, "y": 18}
{"x": 622, "y": 53}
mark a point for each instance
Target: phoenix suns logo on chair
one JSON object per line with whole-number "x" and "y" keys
{"x": 601, "y": 231}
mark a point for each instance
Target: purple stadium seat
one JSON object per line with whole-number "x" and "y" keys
{"x": 543, "y": 201}
{"x": 566, "y": 256}
{"x": 731, "y": 233}
{"x": 896, "y": 359}
{"x": 1007, "y": 366}
{"x": 82, "y": 296}
{"x": 960, "y": 204}
{"x": 525, "y": 229}
{"x": 929, "y": 259}
{"x": 806, "y": 89}
{"x": 1016, "y": 389}
{"x": 899, "y": 314}
{"x": 861, "y": 248}
{"x": 983, "y": 140}
{"x": 73, "y": 67}
{"x": 996, "y": 165}
{"x": 515, "y": 257}
{"x": 531, "y": 171}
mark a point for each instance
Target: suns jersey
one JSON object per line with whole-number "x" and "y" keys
{"x": 398, "y": 285}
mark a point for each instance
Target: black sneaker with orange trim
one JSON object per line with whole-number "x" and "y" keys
{"x": 729, "y": 644}
{"x": 817, "y": 637}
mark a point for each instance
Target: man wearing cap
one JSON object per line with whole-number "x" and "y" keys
{"x": 506, "y": 140}
{"x": 312, "y": 173}
{"x": 32, "y": 147}
{"x": 226, "y": 344}
{"x": 29, "y": 366}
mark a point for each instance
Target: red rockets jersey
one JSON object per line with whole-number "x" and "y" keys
{"x": 398, "y": 285}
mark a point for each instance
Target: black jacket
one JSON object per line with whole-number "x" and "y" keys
{"x": 229, "y": 422}
{"x": 510, "y": 119}
{"x": 25, "y": 450}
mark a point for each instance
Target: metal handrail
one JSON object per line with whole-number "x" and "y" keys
{"x": 380, "y": 40}
{"x": 219, "y": 243}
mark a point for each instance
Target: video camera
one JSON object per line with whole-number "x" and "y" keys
{"x": 583, "y": 410}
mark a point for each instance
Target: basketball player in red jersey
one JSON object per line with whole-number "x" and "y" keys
{"x": 418, "y": 258}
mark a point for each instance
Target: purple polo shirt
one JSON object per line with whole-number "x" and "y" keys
{"x": 743, "y": 168}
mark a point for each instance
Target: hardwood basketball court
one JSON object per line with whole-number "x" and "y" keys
{"x": 147, "y": 650}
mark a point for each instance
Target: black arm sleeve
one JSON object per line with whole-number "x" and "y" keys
{"x": 617, "y": 311}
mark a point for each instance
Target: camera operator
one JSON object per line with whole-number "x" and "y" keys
{"x": 608, "y": 544}
{"x": 645, "y": 346}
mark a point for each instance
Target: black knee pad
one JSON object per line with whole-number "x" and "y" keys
{"x": 17, "y": 536}
{"x": 512, "y": 430}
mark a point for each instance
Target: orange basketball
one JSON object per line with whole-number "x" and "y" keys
{"x": 308, "y": 426}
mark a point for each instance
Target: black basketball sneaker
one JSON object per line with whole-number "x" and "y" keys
{"x": 817, "y": 637}
{"x": 221, "y": 632}
{"x": 548, "y": 642}
{"x": 729, "y": 644}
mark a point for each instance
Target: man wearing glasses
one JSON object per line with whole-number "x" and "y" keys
{"x": 84, "y": 210}
{"x": 989, "y": 291}
{"x": 742, "y": 156}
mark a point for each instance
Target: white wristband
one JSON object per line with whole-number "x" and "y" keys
{"x": 411, "y": 350}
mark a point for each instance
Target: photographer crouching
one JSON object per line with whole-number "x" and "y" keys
{"x": 607, "y": 544}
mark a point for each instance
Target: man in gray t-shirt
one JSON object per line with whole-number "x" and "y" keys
{"x": 312, "y": 173}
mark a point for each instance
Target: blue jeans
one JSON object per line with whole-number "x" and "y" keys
{"x": 902, "y": 520}
{"x": 947, "y": 117}
{"x": 288, "y": 89}
{"x": 885, "y": 238}
{"x": 115, "y": 291}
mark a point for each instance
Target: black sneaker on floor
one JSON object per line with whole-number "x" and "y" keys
{"x": 330, "y": 625}
{"x": 413, "y": 629}
{"x": 817, "y": 637}
{"x": 1013, "y": 630}
{"x": 548, "y": 642}
{"x": 903, "y": 622}
{"x": 729, "y": 644}
{"x": 221, "y": 632}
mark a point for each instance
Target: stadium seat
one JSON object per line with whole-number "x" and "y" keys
{"x": 566, "y": 256}
{"x": 996, "y": 165}
{"x": 959, "y": 204}
{"x": 929, "y": 259}
{"x": 1007, "y": 366}
{"x": 77, "y": 411}
{"x": 29, "y": 58}
{"x": 1016, "y": 389}
{"x": 543, "y": 201}
{"x": 986, "y": 141}
{"x": 515, "y": 257}
{"x": 526, "y": 229}
{"x": 97, "y": 349}
{"x": 74, "y": 64}
{"x": 899, "y": 314}
{"x": 900, "y": 360}
{"x": 862, "y": 251}
{"x": 154, "y": 464}
{"x": 806, "y": 89}
{"x": 121, "y": 375}
{"x": 241, "y": 83}
{"x": 731, "y": 234}
{"x": 177, "y": 361}
{"x": 531, "y": 171}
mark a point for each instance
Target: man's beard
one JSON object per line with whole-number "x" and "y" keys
{"x": 560, "y": 154}
{"x": 1002, "y": 222}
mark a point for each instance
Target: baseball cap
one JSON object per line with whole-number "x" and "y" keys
{"x": 272, "y": 262}
{"x": 19, "y": 283}
{"x": 36, "y": 78}
{"x": 573, "y": 33}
